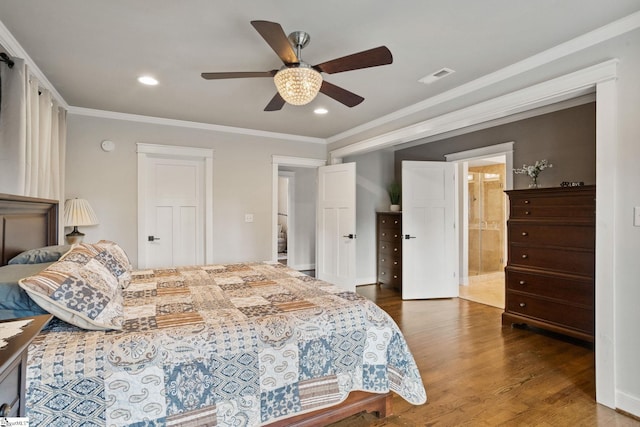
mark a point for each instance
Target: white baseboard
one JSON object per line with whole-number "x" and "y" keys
{"x": 628, "y": 403}
{"x": 301, "y": 267}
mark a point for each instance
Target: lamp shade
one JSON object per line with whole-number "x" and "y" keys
{"x": 298, "y": 85}
{"x": 79, "y": 212}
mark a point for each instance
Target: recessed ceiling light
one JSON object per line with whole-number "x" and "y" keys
{"x": 444, "y": 72}
{"x": 147, "y": 80}
{"x": 321, "y": 110}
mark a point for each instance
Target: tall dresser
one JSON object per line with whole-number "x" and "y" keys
{"x": 389, "y": 249}
{"x": 550, "y": 271}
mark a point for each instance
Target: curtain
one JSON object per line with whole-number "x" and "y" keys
{"x": 33, "y": 129}
{"x": 44, "y": 142}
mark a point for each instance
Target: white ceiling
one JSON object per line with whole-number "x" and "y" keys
{"x": 92, "y": 51}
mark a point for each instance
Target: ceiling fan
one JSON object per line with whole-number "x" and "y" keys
{"x": 298, "y": 82}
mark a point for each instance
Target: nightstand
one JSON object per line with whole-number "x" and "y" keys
{"x": 13, "y": 366}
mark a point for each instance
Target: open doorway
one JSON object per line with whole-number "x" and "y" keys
{"x": 483, "y": 176}
{"x": 486, "y": 228}
{"x": 286, "y": 201}
{"x": 295, "y": 239}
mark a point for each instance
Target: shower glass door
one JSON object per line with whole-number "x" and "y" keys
{"x": 486, "y": 219}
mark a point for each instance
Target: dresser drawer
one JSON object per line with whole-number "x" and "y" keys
{"x": 389, "y": 234}
{"x": 389, "y": 220}
{"x": 564, "y": 315}
{"x": 386, "y": 261}
{"x": 572, "y": 261}
{"x": 572, "y": 211}
{"x": 574, "y": 236}
{"x": 390, "y": 248}
{"x": 563, "y": 288}
{"x": 10, "y": 388}
{"x": 390, "y": 277}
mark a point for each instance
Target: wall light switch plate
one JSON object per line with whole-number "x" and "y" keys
{"x": 248, "y": 217}
{"x": 636, "y": 216}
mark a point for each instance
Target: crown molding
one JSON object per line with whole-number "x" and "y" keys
{"x": 599, "y": 35}
{"x": 80, "y": 111}
{"x": 573, "y": 85}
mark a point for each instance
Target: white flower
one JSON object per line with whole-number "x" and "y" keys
{"x": 534, "y": 170}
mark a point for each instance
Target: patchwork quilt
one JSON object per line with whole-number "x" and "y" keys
{"x": 218, "y": 345}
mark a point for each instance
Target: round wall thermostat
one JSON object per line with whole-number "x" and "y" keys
{"x": 108, "y": 145}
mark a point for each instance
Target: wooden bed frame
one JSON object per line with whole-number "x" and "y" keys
{"x": 27, "y": 223}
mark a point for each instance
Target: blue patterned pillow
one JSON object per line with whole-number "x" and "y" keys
{"x": 79, "y": 289}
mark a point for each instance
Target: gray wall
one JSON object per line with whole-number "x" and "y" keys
{"x": 242, "y": 181}
{"x": 566, "y": 138}
{"x": 374, "y": 172}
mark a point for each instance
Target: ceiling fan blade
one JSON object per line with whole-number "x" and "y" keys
{"x": 349, "y": 99}
{"x": 276, "y": 103}
{"x": 275, "y": 37}
{"x": 369, "y": 58}
{"x": 238, "y": 75}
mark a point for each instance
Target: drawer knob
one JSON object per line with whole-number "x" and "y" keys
{"x": 395, "y": 277}
{"x": 384, "y": 247}
{"x": 5, "y": 410}
{"x": 523, "y": 304}
{"x": 381, "y": 259}
{"x": 383, "y": 273}
{"x": 384, "y": 221}
{"x": 524, "y": 233}
{"x": 526, "y": 202}
{"x": 527, "y": 212}
{"x": 522, "y": 282}
{"x": 525, "y": 256}
{"x": 395, "y": 222}
{"x": 395, "y": 249}
{"x": 395, "y": 262}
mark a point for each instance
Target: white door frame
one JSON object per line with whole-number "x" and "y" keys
{"x": 145, "y": 151}
{"x": 277, "y": 161}
{"x": 462, "y": 209}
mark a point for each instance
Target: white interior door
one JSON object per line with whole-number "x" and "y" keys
{"x": 336, "y": 225}
{"x": 429, "y": 248}
{"x": 174, "y": 199}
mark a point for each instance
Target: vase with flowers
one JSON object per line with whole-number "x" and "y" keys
{"x": 534, "y": 171}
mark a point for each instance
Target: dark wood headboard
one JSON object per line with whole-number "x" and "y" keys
{"x": 26, "y": 223}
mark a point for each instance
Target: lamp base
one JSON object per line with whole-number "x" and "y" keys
{"x": 75, "y": 236}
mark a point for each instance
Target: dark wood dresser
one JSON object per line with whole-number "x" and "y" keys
{"x": 550, "y": 272}
{"x": 13, "y": 367}
{"x": 389, "y": 249}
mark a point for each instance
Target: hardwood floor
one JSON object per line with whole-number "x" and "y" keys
{"x": 479, "y": 373}
{"x": 485, "y": 288}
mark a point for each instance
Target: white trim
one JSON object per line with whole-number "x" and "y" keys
{"x": 191, "y": 125}
{"x": 291, "y": 216}
{"x": 605, "y": 277}
{"x": 301, "y": 162}
{"x": 571, "y": 85}
{"x": 171, "y": 150}
{"x": 599, "y": 35}
{"x": 277, "y": 161}
{"x": 627, "y": 403}
{"x": 563, "y": 105}
{"x": 206, "y": 154}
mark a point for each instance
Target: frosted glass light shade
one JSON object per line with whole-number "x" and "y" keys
{"x": 79, "y": 212}
{"x": 298, "y": 85}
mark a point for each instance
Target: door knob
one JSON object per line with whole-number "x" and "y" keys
{"x": 350, "y": 236}
{"x": 407, "y": 237}
{"x": 153, "y": 238}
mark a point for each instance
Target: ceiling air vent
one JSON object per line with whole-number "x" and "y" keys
{"x": 444, "y": 72}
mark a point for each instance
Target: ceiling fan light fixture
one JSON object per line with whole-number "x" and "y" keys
{"x": 298, "y": 85}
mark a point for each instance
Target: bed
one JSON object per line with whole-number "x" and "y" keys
{"x": 235, "y": 344}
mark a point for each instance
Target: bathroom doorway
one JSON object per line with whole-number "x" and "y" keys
{"x": 486, "y": 225}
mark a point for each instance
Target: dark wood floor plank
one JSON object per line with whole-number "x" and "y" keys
{"x": 480, "y": 373}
